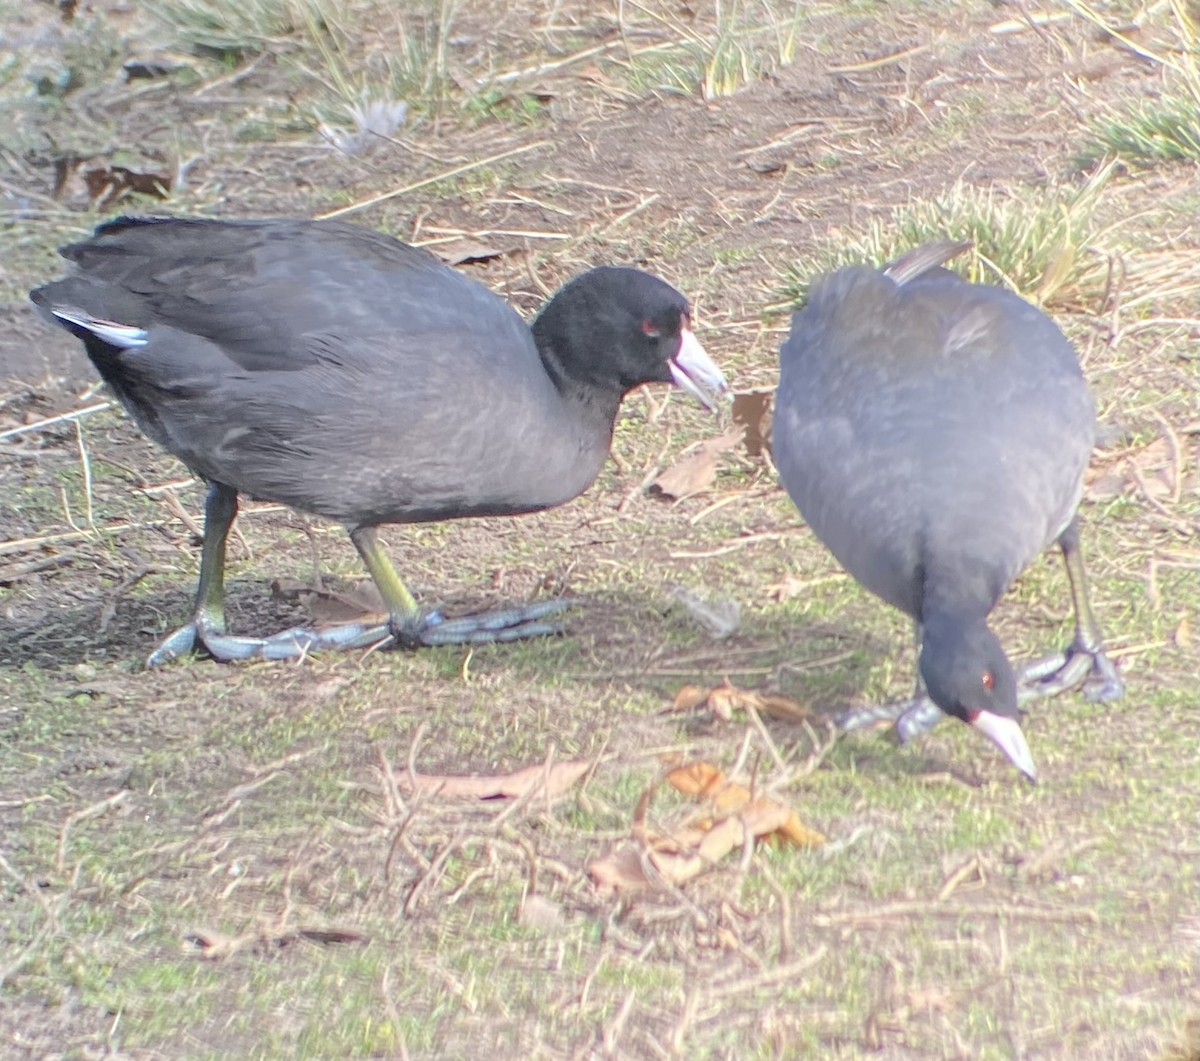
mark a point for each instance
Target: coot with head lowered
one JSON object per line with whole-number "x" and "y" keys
{"x": 934, "y": 434}
{"x": 342, "y": 372}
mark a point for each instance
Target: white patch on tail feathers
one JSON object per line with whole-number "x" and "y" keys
{"x": 125, "y": 336}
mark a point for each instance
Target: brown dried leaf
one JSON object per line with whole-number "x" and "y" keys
{"x": 763, "y": 816}
{"x": 332, "y": 606}
{"x": 698, "y": 470}
{"x": 724, "y": 700}
{"x": 689, "y": 850}
{"x": 464, "y": 251}
{"x": 554, "y": 781}
{"x": 794, "y": 830}
{"x": 215, "y": 945}
{"x": 689, "y": 698}
{"x": 698, "y": 779}
{"x": 753, "y": 412}
{"x": 621, "y": 870}
{"x": 1183, "y": 633}
{"x": 784, "y": 708}
{"x": 330, "y": 936}
{"x": 109, "y": 184}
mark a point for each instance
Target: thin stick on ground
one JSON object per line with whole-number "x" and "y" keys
{"x": 456, "y": 171}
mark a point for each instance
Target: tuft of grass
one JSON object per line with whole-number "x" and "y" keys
{"x": 363, "y": 82}
{"x": 1166, "y": 129}
{"x": 1042, "y": 243}
{"x": 233, "y": 31}
{"x": 744, "y": 42}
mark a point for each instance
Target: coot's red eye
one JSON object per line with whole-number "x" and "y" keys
{"x": 651, "y": 329}
{"x": 989, "y": 680}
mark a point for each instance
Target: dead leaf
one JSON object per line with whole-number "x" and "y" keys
{"x": 698, "y": 779}
{"x": 553, "y": 781}
{"x": 107, "y": 185}
{"x": 332, "y": 606}
{"x": 1183, "y": 633}
{"x": 330, "y": 936}
{"x": 216, "y": 946}
{"x": 465, "y": 251}
{"x": 753, "y": 412}
{"x": 725, "y": 700}
{"x": 689, "y": 698}
{"x": 621, "y": 870}
{"x": 693, "y": 847}
{"x": 698, "y": 470}
{"x": 762, "y": 816}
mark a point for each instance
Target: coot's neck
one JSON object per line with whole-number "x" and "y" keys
{"x": 961, "y": 593}
{"x": 562, "y": 339}
{"x": 946, "y": 627}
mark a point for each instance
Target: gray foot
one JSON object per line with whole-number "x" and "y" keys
{"x": 509, "y": 624}
{"x": 1078, "y": 668}
{"x": 912, "y": 718}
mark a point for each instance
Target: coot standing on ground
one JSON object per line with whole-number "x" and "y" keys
{"x": 934, "y": 434}
{"x": 345, "y": 373}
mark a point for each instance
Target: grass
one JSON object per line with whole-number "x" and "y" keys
{"x": 744, "y": 41}
{"x": 1167, "y": 128}
{"x": 1045, "y": 244}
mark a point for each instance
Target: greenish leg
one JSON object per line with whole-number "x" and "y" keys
{"x": 1084, "y": 663}
{"x": 208, "y": 615}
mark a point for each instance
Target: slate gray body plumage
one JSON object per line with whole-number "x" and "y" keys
{"x": 294, "y": 325}
{"x": 934, "y": 435}
{"x": 956, "y": 451}
{"x": 344, "y": 373}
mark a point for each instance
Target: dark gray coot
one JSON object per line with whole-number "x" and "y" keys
{"x": 344, "y": 373}
{"x": 934, "y": 435}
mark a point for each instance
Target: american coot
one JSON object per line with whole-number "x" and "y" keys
{"x": 934, "y": 434}
{"x": 345, "y": 373}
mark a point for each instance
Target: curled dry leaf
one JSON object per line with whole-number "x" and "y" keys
{"x": 705, "y": 781}
{"x": 651, "y": 860}
{"x": 698, "y": 470}
{"x": 466, "y": 251}
{"x": 215, "y": 946}
{"x": 110, "y": 184}
{"x": 724, "y": 700}
{"x": 553, "y": 781}
{"x": 331, "y": 606}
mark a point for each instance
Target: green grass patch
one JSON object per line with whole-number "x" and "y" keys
{"x": 1041, "y": 243}
{"x": 715, "y": 56}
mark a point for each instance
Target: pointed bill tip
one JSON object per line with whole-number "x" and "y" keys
{"x": 1006, "y": 734}
{"x": 696, "y": 373}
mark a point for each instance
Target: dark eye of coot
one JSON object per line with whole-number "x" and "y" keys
{"x": 651, "y": 329}
{"x": 989, "y": 680}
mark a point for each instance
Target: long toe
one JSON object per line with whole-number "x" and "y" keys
{"x": 1078, "y": 668}
{"x": 180, "y": 643}
{"x": 868, "y": 717}
{"x": 918, "y": 720}
{"x": 301, "y": 641}
{"x": 1104, "y": 685}
{"x": 507, "y": 624}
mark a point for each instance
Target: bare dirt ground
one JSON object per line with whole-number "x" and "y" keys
{"x": 224, "y": 861}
